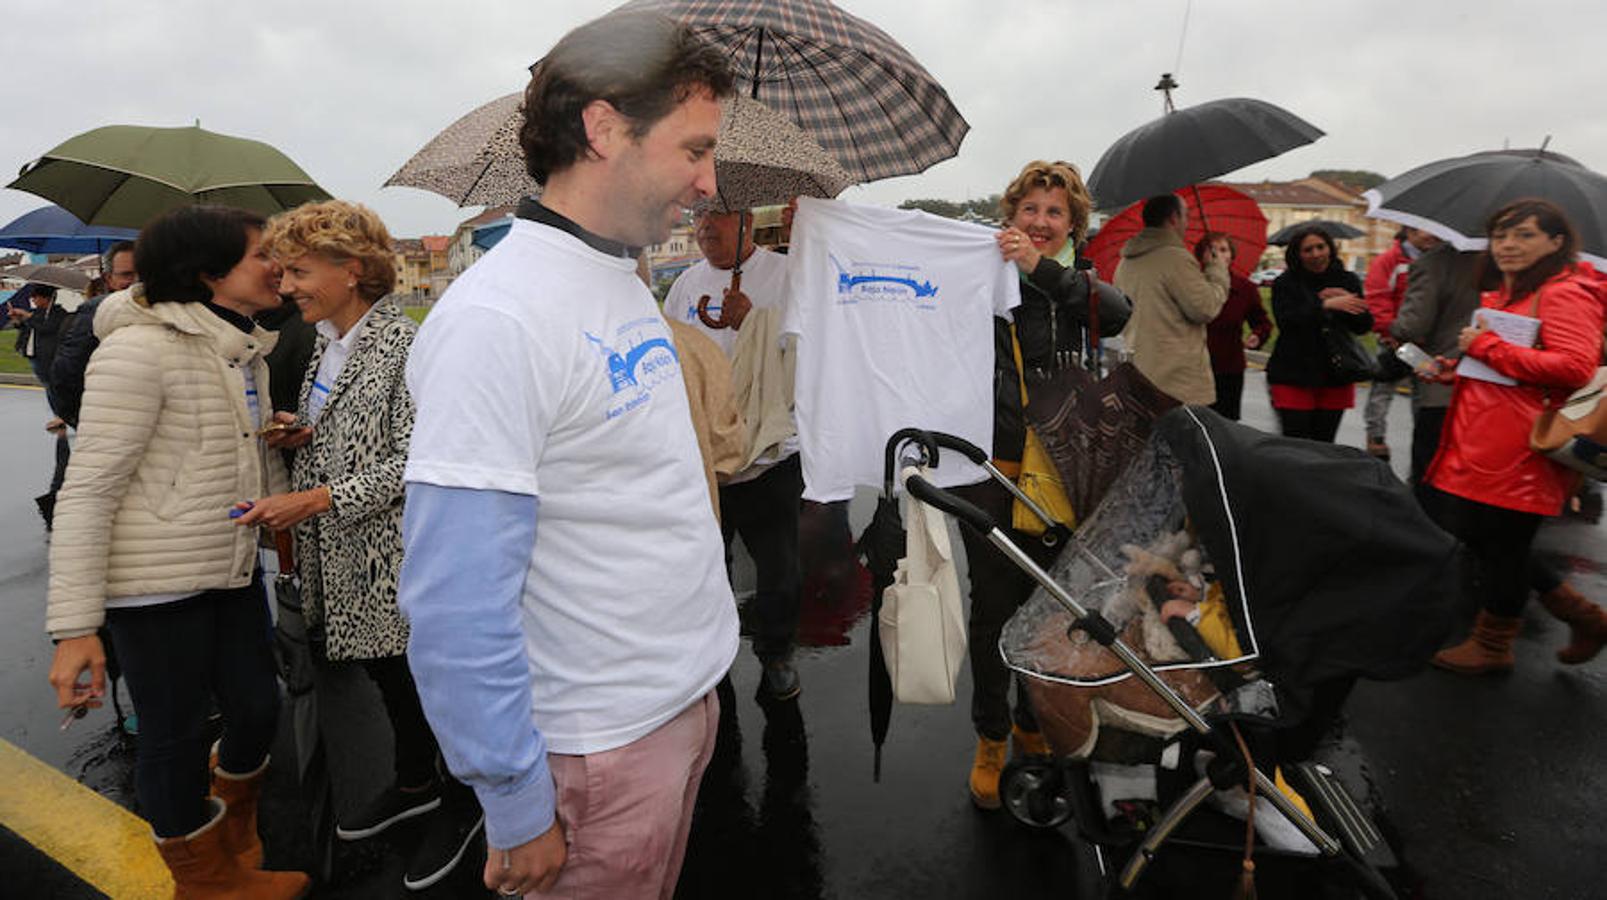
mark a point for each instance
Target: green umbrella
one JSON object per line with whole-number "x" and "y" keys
{"x": 125, "y": 175}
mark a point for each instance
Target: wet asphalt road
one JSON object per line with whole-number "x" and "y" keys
{"x": 1493, "y": 783}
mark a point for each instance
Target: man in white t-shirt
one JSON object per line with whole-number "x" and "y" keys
{"x": 760, "y": 503}
{"x": 562, "y": 569}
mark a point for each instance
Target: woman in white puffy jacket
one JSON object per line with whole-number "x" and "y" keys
{"x": 168, "y": 442}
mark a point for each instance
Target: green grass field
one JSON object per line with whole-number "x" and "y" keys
{"x": 10, "y": 360}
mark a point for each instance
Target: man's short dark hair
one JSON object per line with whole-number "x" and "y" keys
{"x": 181, "y": 245}
{"x": 643, "y": 64}
{"x": 1158, "y": 209}
{"x": 111, "y": 252}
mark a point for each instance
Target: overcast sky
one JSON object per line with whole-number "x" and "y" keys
{"x": 351, "y": 88}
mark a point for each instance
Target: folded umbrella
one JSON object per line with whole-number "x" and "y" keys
{"x": 1452, "y": 198}
{"x": 1212, "y": 207}
{"x": 1192, "y": 145}
{"x": 126, "y": 175}
{"x": 1339, "y": 231}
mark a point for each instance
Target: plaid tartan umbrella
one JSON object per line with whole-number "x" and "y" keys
{"x": 761, "y": 159}
{"x": 841, "y": 79}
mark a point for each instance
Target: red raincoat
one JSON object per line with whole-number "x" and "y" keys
{"x": 1385, "y": 285}
{"x": 1484, "y": 452}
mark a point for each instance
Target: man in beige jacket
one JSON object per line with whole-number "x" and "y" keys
{"x": 1173, "y": 301}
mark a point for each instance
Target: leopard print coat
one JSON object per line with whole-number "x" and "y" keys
{"x": 349, "y": 558}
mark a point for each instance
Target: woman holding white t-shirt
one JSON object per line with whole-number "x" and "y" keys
{"x": 1045, "y": 210}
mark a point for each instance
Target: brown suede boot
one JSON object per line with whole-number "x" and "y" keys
{"x": 985, "y": 772}
{"x": 1029, "y": 743}
{"x": 239, "y": 794}
{"x": 1487, "y": 649}
{"x": 1587, "y": 623}
{"x": 203, "y": 870}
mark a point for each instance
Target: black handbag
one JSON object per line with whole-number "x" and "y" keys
{"x": 1390, "y": 367}
{"x": 1348, "y": 360}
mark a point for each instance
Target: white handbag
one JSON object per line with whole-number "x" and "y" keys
{"x": 923, "y": 618}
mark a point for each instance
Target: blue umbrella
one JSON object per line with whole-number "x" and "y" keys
{"x": 487, "y": 236}
{"x": 52, "y": 229}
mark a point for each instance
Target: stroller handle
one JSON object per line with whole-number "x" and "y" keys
{"x": 964, "y": 510}
{"x": 961, "y": 446}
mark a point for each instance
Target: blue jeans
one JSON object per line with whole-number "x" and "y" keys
{"x": 176, "y": 658}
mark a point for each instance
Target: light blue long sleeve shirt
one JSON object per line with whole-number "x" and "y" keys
{"x": 466, "y": 553}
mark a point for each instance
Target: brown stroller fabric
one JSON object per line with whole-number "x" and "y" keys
{"x": 1092, "y": 428}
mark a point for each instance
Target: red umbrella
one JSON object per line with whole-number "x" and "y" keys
{"x": 1212, "y": 207}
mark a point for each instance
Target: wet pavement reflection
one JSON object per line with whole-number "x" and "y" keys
{"x": 1494, "y": 783}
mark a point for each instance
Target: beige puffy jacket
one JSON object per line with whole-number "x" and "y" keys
{"x": 166, "y": 445}
{"x": 1173, "y": 301}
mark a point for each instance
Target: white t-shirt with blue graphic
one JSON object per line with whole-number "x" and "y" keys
{"x": 893, "y": 309}
{"x": 546, "y": 369}
{"x": 764, "y": 280}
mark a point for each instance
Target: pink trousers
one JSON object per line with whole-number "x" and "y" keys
{"x": 626, "y": 812}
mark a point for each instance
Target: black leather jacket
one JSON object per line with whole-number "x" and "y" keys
{"x": 1052, "y": 326}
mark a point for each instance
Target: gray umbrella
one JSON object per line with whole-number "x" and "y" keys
{"x": 1452, "y": 198}
{"x": 761, "y": 159}
{"x": 1339, "y": 231}
{"x": 844, "y": 81}
{"x": 55, "y": 276}
{"x": 1194, "y": 144}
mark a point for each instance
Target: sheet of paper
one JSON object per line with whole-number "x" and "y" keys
{"x": 1509, "y": 327}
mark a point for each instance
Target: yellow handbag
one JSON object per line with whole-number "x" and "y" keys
{"x": 1038, "y": 479}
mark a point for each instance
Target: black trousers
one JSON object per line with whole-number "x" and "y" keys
{"x": 1499, "y": 541}
{"x": 1229, "y": 392}
{"x": 764, "y": 513}
{"x": 177, "y": 657}
{"x": 998, "y": 588}
{"x": 416, "y": 747}
{"x": 1427, "y": 424}
{"x": 1311, "y": 424}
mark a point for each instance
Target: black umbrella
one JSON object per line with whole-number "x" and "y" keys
{"x": 881, "y": 545}
{"x": 296, "y": 647}
{"x": 1188, "y": 146}
{"x": 1452, "y": 198}
{"x": 1339, "y": 231}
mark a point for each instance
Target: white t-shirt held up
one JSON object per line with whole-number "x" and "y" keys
{"x": 893, "y": 310}
{"x": 546, "y": 369}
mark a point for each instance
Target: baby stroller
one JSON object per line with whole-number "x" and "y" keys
{"x": 1312, "y": 567}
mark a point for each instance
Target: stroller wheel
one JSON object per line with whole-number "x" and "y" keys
{"x": 1034, "y": 793}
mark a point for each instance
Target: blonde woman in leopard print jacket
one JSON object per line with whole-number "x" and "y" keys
{"x": 350, "y": 436}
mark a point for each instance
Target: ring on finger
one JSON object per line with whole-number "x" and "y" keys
{"x": 506, "y": 892}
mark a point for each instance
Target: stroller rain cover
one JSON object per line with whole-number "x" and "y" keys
{"x": 1329, "y": 567}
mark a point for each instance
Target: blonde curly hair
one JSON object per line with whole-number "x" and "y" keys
{"x": 338, "y": 231}
{"x": 1048, "y": 175}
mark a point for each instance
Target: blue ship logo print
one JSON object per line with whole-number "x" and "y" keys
{"x": 622, "y": 366}
{"x": 889, "y": 281}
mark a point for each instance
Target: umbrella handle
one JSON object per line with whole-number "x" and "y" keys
{"x": 284, "y": 545}
{"x": 704, "y": 317}
{"x": 929, "y": 447}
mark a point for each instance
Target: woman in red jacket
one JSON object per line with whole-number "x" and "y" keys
{"x": 1492, "y": 491}
{"x": 1225, "y": 338}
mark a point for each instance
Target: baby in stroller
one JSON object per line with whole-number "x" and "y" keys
{"x": 1199, "y": 634}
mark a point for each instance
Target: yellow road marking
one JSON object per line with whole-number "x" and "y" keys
{"x": 99, "y": 841}
{"x": 23, "y": 387}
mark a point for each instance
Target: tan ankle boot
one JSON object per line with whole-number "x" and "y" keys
{"x": 985, "y": 771}
{"x": 1587, "y": 623}
{"x": 1029, "y": 743}
{"x": 1487, "y": 649}
{"x": 239, "y": 794}
{"x": 203, "y": 870}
